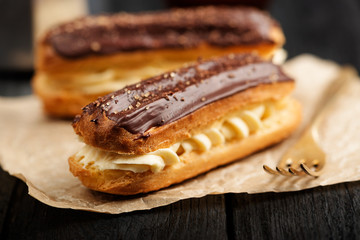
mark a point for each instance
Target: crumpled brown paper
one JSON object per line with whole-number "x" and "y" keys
{"x": 35, "y": 149}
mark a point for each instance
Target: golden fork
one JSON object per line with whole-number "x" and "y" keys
{"x": 306, "y": 157}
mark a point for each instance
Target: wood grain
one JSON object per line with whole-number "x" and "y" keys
{"x": 6, "y": 189}
{"x": 331, "y": 212}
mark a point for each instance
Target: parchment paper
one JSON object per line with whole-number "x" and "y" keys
{"x": 35, "y": 149}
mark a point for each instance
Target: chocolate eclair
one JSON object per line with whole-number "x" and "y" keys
{"x": 89, "y": 57}
{"x": 174, "y": 126}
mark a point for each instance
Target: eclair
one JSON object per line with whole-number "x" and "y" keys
{"x": 177, "y": 125}
{"x": 78, "y": 61}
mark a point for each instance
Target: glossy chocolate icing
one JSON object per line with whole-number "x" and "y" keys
{"x": 168, "y": 97}
{"x": 177, "y": 28}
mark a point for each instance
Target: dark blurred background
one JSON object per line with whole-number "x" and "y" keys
{"x": 327, "y": 28}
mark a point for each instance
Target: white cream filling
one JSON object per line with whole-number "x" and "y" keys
{"x": 238, "y": 126}
{"x": 99, "y": 82}
{"x": 280, "y": 56}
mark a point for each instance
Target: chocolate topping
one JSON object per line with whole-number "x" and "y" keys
{"x": 177, "y": 28}
{"x": 168, "y": 97}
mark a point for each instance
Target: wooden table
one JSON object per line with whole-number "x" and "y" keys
{"x": 324, "y": 27}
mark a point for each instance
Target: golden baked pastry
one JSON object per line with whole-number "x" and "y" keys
{"x": 81, "y": 60}
{"x": 176, "y": 125}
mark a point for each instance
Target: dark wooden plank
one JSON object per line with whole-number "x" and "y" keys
{"x": 331, "y": 212}
{"x": 7, "y": 184}
{"x": 189, "y": 219}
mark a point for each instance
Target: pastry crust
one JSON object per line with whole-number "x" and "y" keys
{"x": 57, "y": 77}
{"x": 192, "y": 164}
{"x": 102, "y": 135}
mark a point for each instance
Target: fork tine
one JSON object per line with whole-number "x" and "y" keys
{"x": 292, "y": 171}
{"x": 310, "y": 172}
{"x": 296, "y": 172}
{"x": 270, "y": 170}
{"x": 283, "y": 171}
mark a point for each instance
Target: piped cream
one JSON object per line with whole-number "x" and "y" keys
{"x": 238, "y": 126}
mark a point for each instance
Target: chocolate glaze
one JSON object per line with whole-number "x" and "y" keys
{"x": 168, "y": 97}
{"x": 177, "y": 28}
